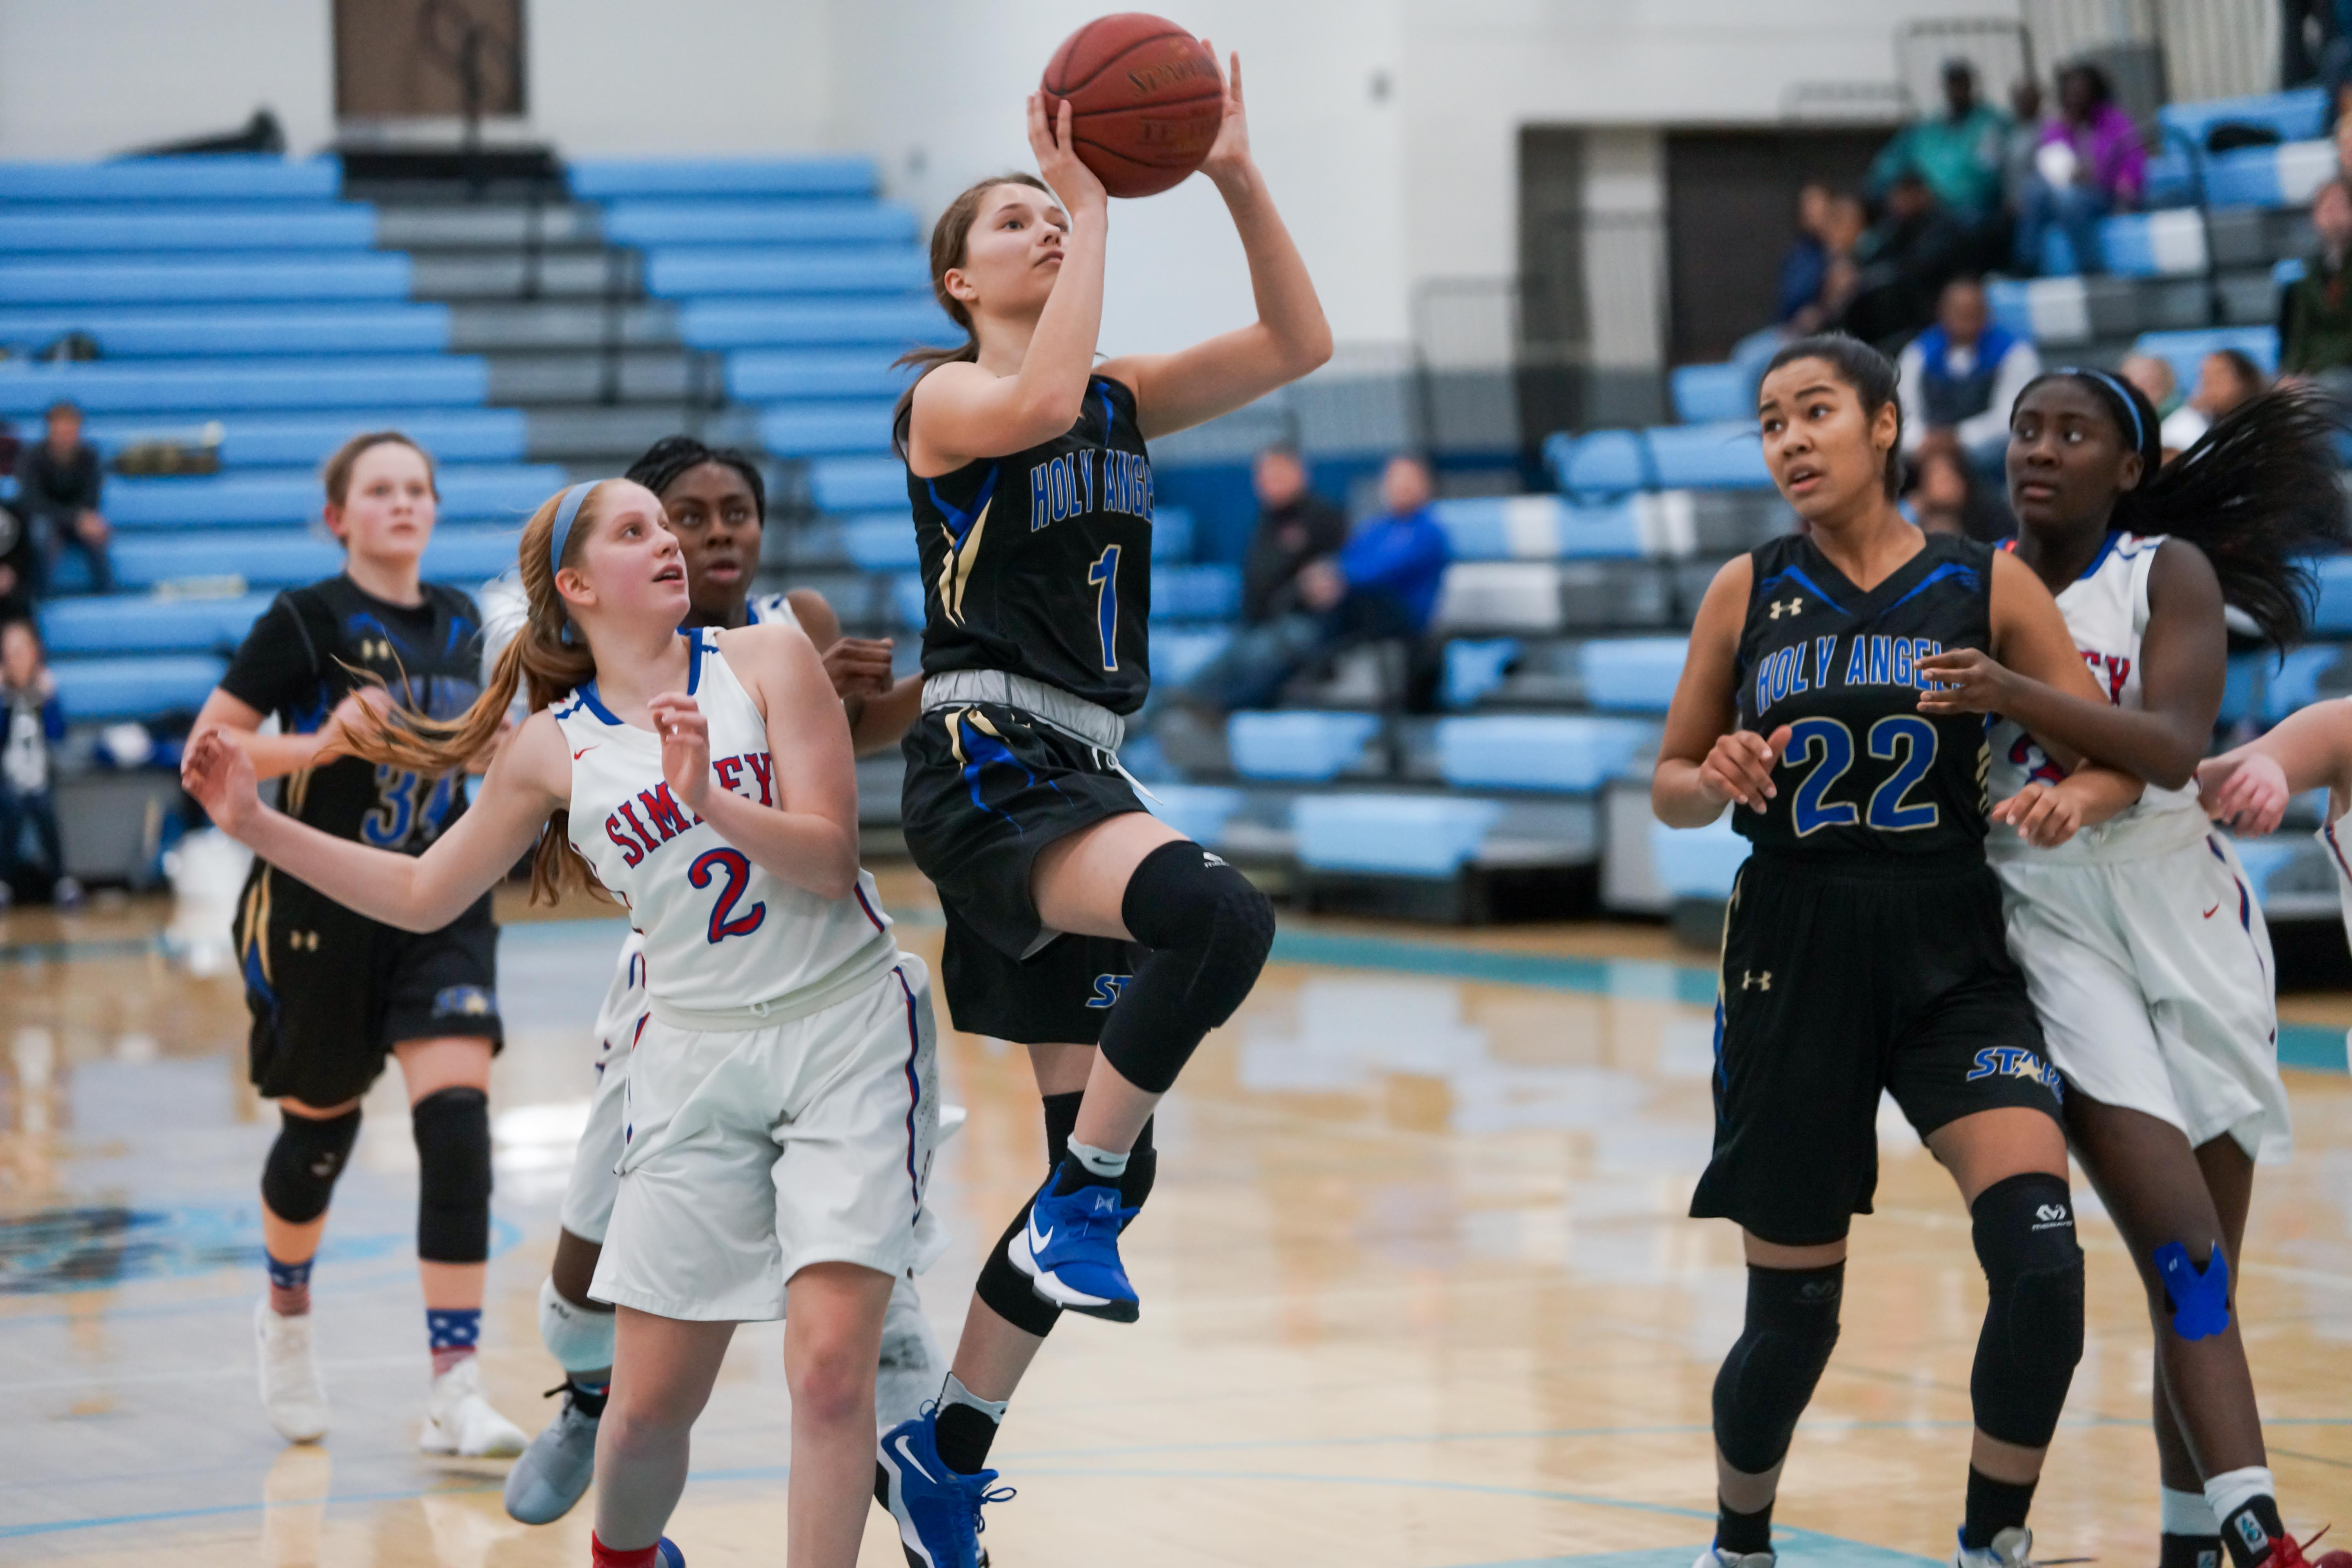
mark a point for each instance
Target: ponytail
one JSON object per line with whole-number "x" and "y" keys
{"x": 543, "y": 663}
{"x": 948, "y": 237}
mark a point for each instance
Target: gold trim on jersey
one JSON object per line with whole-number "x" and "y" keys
{"x": 955, "y": 572}
{"x": 256, "y": 924}
{"x": 298, "y": 790}
{"x": 955, "y": 738}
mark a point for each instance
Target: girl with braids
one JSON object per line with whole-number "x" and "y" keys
{"x": 2141, "y": 944}
{"x": 782, "y": 1097}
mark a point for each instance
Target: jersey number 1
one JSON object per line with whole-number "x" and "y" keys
{"x": 724, "y": 922}
{"x": 1104, "y": 575}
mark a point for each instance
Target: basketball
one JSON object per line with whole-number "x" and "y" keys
{"x": 1145, "y": 100}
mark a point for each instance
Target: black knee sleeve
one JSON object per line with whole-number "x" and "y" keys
{"x": 299, "y": 1177}
{"x": 453, "y": 1175}
{"x": 1006, "y": 1289}
{"x": 1209, "y": 931}
{"x": 2034, "y": 1314}
{"x": 1768, "y": 1379}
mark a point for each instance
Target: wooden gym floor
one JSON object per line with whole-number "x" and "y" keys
{"x": 1418, "y": 1292}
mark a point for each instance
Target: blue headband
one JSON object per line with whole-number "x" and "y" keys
{"x": 2123, "y": 395}
{"x": 565, "y": 511}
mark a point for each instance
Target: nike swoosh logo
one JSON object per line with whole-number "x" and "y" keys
{"x": 907, "y": 1454}
{"x": 2209, "y": 913}
{"x": 1039, "y": 1239}
{"x": 585, "y": 750}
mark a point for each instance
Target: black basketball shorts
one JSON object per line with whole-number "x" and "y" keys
{"x": 988, "y": 788}
{"x": 1840, "y": 979}
{"x": 331, "y": 993}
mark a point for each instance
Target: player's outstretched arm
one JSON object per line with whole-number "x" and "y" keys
{"x": 809, "y": 837}
{"x": 1706, "y": 760}
{"x": 529, "y": 780}
{"x": 2249, "y": 788}
{"x": 1289, "y": 338}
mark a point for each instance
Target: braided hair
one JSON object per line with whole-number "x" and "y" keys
{"x": 2258, "y": 493}
{"x": 671, "y": 455}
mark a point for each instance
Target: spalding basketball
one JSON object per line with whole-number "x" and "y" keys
{"x": 1145, "y": 100}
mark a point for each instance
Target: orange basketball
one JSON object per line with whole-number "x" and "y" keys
{"x": 1145, "y": 100}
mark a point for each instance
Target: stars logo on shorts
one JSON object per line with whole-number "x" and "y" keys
{"x": 1790, "y": 606}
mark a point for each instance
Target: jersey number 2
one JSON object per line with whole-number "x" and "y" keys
{"x": 1828, "y": 746}
{"x": 724, "y": 922}
{"x": 1104, "y": 575}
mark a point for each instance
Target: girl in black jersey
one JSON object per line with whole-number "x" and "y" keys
{"x": 1864, "y": 947}
{"x": 331, "y": 993}
{"x": 1032, "y": 492}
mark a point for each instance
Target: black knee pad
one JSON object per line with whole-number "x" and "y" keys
{"x": 2033, "y": 1333}
{"x": 299, "y": 1177}
{"x": 1769, "y": 1378}
{"x": 453, "y": 1175}
{"x": 1209, "y": 931}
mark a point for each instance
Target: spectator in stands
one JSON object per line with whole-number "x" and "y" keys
{"x": 32, "y": 722}
{"x": 1903, "y": 264}
{"x": 1946, "y": 493}
{"x": 2316, "y": 310}
{"x": 1958, "y": 153}
{"x": 19, "y": 572}
{"x": 1381, "y": 586}
{"x": 58, "y": 487}
{"x": 2088, "y": 164}
{"x": 1295, "y": 528}
{"x": 1806, "y": 269}
{"x": 2152, "y": 376}
{"x": 1962, "y": 374}
{"x": 2225, "y": 378}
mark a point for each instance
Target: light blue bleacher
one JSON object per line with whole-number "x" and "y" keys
{"x": 2287, "y": 175}
{"x": 2186, "y": 351}
{"x": 1697, "y": 862}
{"x": 1297, "y": 745}
{"x": 1706, "y": 394}
{"x": 100, "y": 227}
{"x": 101, "y": 279}
{"x": 827, "y": 430}
{"x": 1180, "y": 653}
{"x": 1543, "y": 528}
{"x": 616, "y": 179}
{"x": 283, "y": 557}
{"x": 1390, "y": 835}
{"x": 116, "y": 626}
{"x": 767, "y": 376}
{"x": 1721, "y": 456}
{"x": 469, "y": 494}
{"x": 2332, "y": 613}
{"x": 807, "y": 221}
{"x": 1558, "y": 752}
{"x": 2298, "y": 115}
{"x": 893, "y": 323}
{"x": 1474, "y": 667}
{"x": 230, "y": 178}
{"x": 156, "y": 332}
{"x": 884, "y": 541}
{"x": 1211, "y": 592}
{"x": 858, "y": 484}
{"x": 357, "y": 381}
{"x": 267, "y": 440}
{"x": 1199, "y": 812}
{"x": 1632, "y": 675}
{"x": 881, "y": 541}
{"x": 99, "y": 690}
{"x": 690, "y": 272}
{"x": 2264, "y": 859}
{"x": 2167, "y": 243}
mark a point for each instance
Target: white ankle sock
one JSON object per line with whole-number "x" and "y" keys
{"x": 2228, "y": 1492}
{"x": 1098, "y": 1162}
{"x": 2187, "y": 1513}
{"x": 955, "y": 1393}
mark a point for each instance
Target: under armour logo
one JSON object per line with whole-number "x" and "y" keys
{"x": 2051, "y": 1212}
{"x": 1787, "y": 606}
{"x": 1756, "y": 980}
{"x": 374, "y": 649}
{"x": 1210, "y": 858}
{"x": 303, "y": 941}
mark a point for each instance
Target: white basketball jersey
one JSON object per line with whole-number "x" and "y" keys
{"x": 720, "y": 932}
{"x": 2106, "y": 612}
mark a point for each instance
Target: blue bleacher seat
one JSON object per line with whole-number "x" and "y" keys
{"x": 1171, "y": 534}
{"x": 228, "y": 177}
{"x": 1697, "y": 862}
{"x": 1296, "y": 744}
{"x": 1199, "y": 812}
{"x": 1474, "y": 667}
{"x": 98, "y": 279}
{"x": 96, "y": 691}
{"x": 469, "y": 494}
{"x": 907, "y": 592}
{"x": 762, "y": 375}
{"x": 895, "y": 324}
{"x": 813, "y": 221}
{"x": 155, "y": 331}
{"x": 1545, "y": 527}
{"x": 1561, "y": 753}
{"x": 605, "y": 179}
{"x": 1705, "y": 393}
{"x": 2048, "y": 310}
{"x": 2333, "y": 613}
{"x": 283, "y": 557}
{"x": 127, "y": 623}
{"x": 1520, "y": 596}
{"x": 342, "y": 226}
{"x": 1390, "y": 835}
{"x": 2183, "y": 351}
{"x": 1180, "y": 654}
{"x": 1633, "y": 675}
{"x": 824, "y": 429}
{"x": 2293, "y": 680}
{"x": 304, "y": 440}
{"x": 2169, "y": 244}
{"x": 2264, "y": 859}
{"x": 856, "y": 484}
{"x": 1202, "y": 593}
{"x": 2281, "y": 176}
{"x": 884, "y": 541}
{"x": 2171, "y": 178}
{"x": 355, "y": 381}
{"x": 1721, "y": 456}
{"x": 2297, "y": 115}
{"x": 831, "y": 270}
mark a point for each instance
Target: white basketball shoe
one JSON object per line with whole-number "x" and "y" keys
{"x": 291, "y": 1392}
{"x": 459, "y": 1421}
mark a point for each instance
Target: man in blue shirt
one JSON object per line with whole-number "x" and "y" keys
{"x": 1382, "y": 584}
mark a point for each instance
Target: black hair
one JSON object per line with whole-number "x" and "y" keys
{"x": 2102, "y": 90}
{"x": 2258, "y": 493}
{"x": 671, "y": 455}
{"x": 1870, "y": 375}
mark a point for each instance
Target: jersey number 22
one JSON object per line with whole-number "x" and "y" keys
{"x": 1828, "y": 746}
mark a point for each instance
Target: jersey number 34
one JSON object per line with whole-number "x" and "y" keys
{"x": 1826, "y": 747}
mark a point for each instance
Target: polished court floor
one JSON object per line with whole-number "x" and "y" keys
{"x": 1418, "y": 1292}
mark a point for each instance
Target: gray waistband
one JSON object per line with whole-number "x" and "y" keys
{"x": 854, "y": 972}
{"x": 1096, "y": 725}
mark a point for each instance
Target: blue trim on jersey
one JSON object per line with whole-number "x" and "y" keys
{"x": 1951, "y": 571}
{"x": 1110, "y": 410}
{"x": 1796, "y": 574}
{"x": 693, "y": 658}
{"x": 2106, "y": 548}
{"x": 587, "y": 694}
{"x": 959, "y": 522}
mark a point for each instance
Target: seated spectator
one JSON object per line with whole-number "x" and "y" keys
{"x": 1946, "y": 492}
{"x": 2225, "y": 378}
{"x": 1295, "y": 527}
{"x": 1382, "y": 586}
{"x": 1958, "y": 153}
{"x": 1903, "y": 264}
{"x": 1806, "y": 268}
{"x": 17, "y": 571}
{"x": 32, "y": 722}
{"x": 2316, "y": 310}
{"x": 58, "y": 486}
{"x": 2088, "y": 164}
{"x": 1962, "y": 374}
{"x": 2153, "y": 375}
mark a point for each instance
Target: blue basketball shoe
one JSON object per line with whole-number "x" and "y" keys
{"x": 937, "y": 1508}
{"x": 1069, "y": 1250}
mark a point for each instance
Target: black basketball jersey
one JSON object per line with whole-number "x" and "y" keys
{"x": 1039, "y": 563}
{"x": 297, "y": 662}
{"x": 1864, "y": 771}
